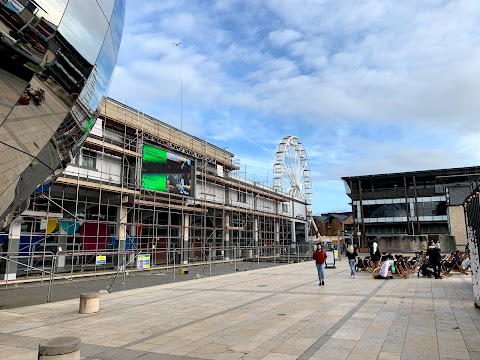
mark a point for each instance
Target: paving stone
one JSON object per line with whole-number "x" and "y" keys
{"x": 233, "y": 318}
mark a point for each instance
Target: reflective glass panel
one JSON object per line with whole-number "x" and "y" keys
{"x": 99, "y": 79}
{"x": 43, "y": 69}
{"x": 107, "y": 7}
{"x": 51, "y": 10}
{"x": 84, "y": 26}
{"x": 116, "y": 23}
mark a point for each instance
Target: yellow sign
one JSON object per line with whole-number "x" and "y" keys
{"x": 101, "y": 260}
{"x": 143, "y": 261}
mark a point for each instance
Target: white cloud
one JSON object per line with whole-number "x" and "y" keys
{"x": 281, "y": 38}
{"x": 373, "y": 86}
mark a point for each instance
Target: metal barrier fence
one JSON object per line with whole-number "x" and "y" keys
{"x": 70, "y": 265}
{"x": 472, "y": 212}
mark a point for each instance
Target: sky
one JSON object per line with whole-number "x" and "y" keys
{"x": 368, "y": 87}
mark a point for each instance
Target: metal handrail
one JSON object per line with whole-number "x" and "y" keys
{"x": 207, "y": 252}
{"x": 9, "y": 257}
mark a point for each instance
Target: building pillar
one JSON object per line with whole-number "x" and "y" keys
{"x": 407, "y": 205}
{"x": 226, "y": 237}
{"x": 457, "y": 225}
{"x": 354, "y": 215}
{"x": 134, "y": 240}
{"x": 293, "y": 244}
{"x": 276, "y": 238}
{"x": 186, "y": 238}
{"x": 121, "y": 233}
{"x": 9, "y": 271}
{"x": 364, "y": 235}
{"x": 418, "y": 232}
{"x": 255, "y": 235}
{"x": 305, "y": 231}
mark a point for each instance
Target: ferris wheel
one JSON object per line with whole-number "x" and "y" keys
{"x": 292, "y": 170}
{"x": 292, "y": 173}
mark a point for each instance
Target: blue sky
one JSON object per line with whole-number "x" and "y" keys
{"x": 367, "y": 86}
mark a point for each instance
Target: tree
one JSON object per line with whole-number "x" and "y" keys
{"x": 335, "y": 226}
{"x": 321, "y": 227}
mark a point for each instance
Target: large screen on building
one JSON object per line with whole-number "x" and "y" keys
{"x": 164, "y": 171}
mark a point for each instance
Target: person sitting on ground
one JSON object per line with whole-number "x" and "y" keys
{"x": 384, "y": 256}
{"x": 359, "y": 266}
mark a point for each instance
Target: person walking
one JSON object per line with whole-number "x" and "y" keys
{"x": 351, "y": 255}
{"x": 320, "y": 256}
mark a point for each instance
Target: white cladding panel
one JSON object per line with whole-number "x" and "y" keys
{"x": 241, "y": 199}
{"x": 265, "y": 205}
{"x": 299, "y": 210}
{"x": 107, "y": 169}
{"x": 209, "y": 192}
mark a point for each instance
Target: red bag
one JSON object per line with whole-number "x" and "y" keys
{"x": 24, "y": 100}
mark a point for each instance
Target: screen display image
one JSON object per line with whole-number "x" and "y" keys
{"x": 167, "y": 172}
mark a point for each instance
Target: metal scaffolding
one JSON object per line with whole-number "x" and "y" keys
{"x": 98, "y": 217}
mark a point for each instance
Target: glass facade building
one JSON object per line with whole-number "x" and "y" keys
{"x": 57, "y": 59}
{"x": 410, "y": 205}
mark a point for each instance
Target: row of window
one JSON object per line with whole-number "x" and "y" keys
{"x": 381, "y": 209}
{"x": 431, "y": 208}
{"x": 86, "y": 158}
{"x": 428, "y": 229}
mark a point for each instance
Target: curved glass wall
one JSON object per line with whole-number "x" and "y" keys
{"x": 57, "y": 58}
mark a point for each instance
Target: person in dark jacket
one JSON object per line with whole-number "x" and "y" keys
{"x": 375, "y": 255}
{"x": 320, "y": 256}
{"x": 351, "y": 255}
{"x": 434, "y": 257}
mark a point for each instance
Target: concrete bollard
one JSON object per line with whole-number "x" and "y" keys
{"x": 60, "y": 348}
{"x": 89, "y": 303}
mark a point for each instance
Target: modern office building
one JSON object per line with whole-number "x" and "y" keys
{"x": 139, "y": 188}
{"x": 56, "y": 61}
{"x": 406, "y": 209}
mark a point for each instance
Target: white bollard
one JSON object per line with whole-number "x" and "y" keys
{"x": 89, "y": 303}
{"x": 60, "y": 348}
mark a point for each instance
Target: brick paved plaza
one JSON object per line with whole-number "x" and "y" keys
{"x": 271, "y": 313}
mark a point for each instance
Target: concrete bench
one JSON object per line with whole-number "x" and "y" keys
{"x": 60, "y": 348}
{"x": 89, "y": 303}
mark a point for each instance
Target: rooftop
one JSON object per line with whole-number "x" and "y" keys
{"x": 468, "y": 170}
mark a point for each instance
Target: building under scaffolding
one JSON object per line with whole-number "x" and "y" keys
{"x": 141, "y": 189}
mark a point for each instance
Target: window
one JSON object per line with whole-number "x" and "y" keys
{"x": 435, "y": 208}
{"x": 89, "y": 159}
{"x": 76, "y": 160}
{"x": 385, "y": 210}
{"x": 241, "y": 197}
{"x": 284, "y": 207}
